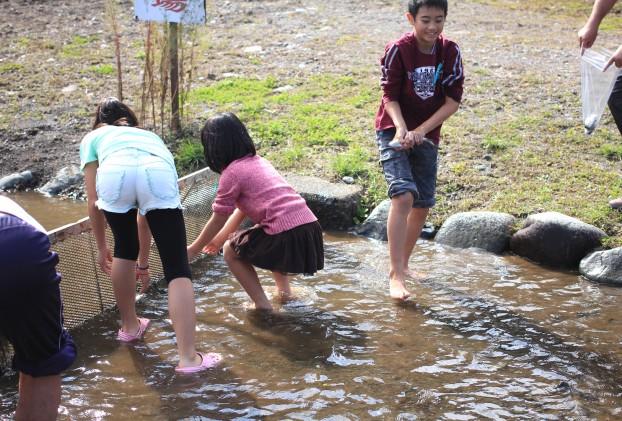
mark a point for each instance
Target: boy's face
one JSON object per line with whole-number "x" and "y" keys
{"x": 428, "y": 23}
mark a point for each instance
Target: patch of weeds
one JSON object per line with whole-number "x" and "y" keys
{"x": 494, "y": 144}
{"x": 289, "y": 157}
{"x": 351, "y": 163}
{"x": 458, "y": 168}
{"x": 10, "y": 67}
{"x": 77, "y": 45}
{"x": 24, "y": 42}
{"x": 189, "y": 156}
{"x": 611, "y": 151}
{"x": 101, "y": 69}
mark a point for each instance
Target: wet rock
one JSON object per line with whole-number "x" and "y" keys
{"x": 66, "y": 178}
{"x": 375, "y": 226}
{"x": 604, "y": 267}
{"x": 334, "y": 204}
{"x": 16, "y": 181}
{"x": 489, "y": 231}
{"x": 556, "y": 240}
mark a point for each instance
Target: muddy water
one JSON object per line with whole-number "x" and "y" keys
{"x": 486, "y": 337}
{"x": 51, "y": 212}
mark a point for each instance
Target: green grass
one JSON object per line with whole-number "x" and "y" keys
{"x": 76, "y": 48}
{"x": 101, "y": 69}
{"x": 10, "y": 67}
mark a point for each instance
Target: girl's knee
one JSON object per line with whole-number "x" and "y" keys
{"x": 228, "y": 253}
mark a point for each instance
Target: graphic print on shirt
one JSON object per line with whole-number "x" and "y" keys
{"x": 423, "y": 81}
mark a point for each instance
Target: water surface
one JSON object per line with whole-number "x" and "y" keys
{"x": 484, "y": 337}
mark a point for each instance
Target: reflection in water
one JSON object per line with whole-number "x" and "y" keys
{"x": 484, "y": 337}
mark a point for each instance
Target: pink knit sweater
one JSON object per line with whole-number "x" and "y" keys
{"x": 254, "y": 186}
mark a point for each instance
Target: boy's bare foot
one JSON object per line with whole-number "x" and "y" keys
{"x": 398, "y": 290}
{"x": 412, "y": 274}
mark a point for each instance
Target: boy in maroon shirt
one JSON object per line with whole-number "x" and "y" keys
{"x": 422, "y": 78}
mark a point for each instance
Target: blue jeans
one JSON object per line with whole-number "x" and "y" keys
{"x": 413, "y": 170}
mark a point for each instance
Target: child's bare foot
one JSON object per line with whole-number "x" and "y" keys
{"x": 285, "y": 296}
{"x": 397, "y": 288}
{"x": 255, "y": 307}
{"x": 412, "y": 274}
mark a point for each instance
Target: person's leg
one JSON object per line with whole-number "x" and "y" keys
{"x": 414, "y": 226}
{"x": 423, "y": 167}
{"x": 181, "y": 308}
{"x": 124, "y": 229}
{"x": 247, "y": 277}
{"x": 283, "y": 289}
{"x": 397, "y": 237}
{"x": 169, "y": 234}
{"x": 39, "y": 397}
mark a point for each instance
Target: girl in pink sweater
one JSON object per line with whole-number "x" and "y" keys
{"x": 286, "y": 238}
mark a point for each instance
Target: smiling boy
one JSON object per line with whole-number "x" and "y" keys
{"x": 422, "y": 80}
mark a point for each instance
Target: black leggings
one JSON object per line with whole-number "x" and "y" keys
{"x": 169, "y": 233}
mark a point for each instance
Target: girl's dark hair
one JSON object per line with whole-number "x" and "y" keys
{"x": 112, "y": 112}
{"x": 225, "y": 139}
{"x": 415, "y": 5}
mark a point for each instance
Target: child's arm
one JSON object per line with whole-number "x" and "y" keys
{"x": 447, "y": 110}
{"x": 97, "y": 218}
{"x": 395, "y": 112}
{"x": 213, "y": 227}
{"x": 235, "y": 220}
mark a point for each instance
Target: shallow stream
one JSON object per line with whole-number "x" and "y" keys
{"x": 484, "y": 337}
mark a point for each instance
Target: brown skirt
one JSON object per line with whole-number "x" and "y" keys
{"x": 298, "y": 250}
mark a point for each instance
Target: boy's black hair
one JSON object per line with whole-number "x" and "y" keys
{"x": 225, "y": 139}
{"x": 415, "y": 5}
{"x": 112, "y": 112}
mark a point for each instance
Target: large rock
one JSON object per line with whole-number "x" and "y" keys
{"x": 16, "y": 180}
{"x": 334, "y": 204}
{"x": 556, "y": 240}
{"x": 375, "y": 226}
{"x": 66, "y": 179}
{"x": 604, "y": 267}
{"x": 489, "y": 231}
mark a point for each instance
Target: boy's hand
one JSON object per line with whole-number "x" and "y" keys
{"x": 615, "y": 59}
{"x": 587, "y": 36}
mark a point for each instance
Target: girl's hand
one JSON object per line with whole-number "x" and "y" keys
{"x": 145, "y": 279}
{"x": 104, "y": 258}
{"x": 212, "y": 248}
{"x": 192, "y": 252}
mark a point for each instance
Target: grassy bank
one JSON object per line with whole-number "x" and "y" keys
{"x": 516, "y": 145}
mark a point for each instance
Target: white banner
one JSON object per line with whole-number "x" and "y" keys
{"x": 184, "y": 11}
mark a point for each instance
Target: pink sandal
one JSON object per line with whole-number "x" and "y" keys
{"x": 207, "y": 361}
{"x": 128, "y": 337}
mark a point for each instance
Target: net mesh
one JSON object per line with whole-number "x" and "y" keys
{"x": 85, "y": 289}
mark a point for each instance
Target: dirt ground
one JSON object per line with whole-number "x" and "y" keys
{"x": 47, "y": 96}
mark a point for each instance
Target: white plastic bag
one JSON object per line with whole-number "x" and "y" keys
{"x": 596, "y": 85}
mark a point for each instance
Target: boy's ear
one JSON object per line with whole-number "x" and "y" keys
{"x": 410, "y": 18}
